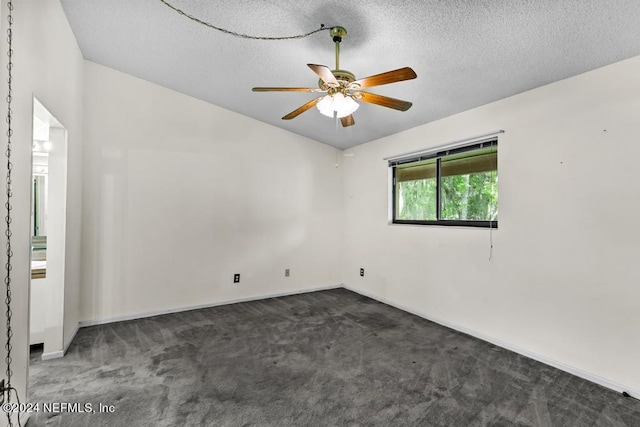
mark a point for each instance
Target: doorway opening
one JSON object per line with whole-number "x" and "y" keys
{"x": 48, "y": 233}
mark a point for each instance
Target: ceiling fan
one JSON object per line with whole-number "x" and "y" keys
{"x": 343, "y": 90}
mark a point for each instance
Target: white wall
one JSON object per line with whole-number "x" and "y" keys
{"x": 39, "y": 301}
{"x": 56, "y": 231}
{"x": 48, "y": 65}
{"x": 563, "y": 280}
{"x": 179, "y": 195}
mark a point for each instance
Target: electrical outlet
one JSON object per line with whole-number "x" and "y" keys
{"x": 362, "y": 272}
{"x": 286, "y": 272}
{"x": 236, "y": 278}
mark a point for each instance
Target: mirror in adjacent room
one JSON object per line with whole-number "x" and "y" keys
{"x": 39, "y": 197}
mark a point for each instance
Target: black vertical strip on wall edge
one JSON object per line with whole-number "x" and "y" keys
{"x": 393, "y": 195}
{"x": 438, "y": 190}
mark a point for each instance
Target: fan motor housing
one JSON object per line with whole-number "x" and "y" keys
{"x": 344, "y": 77}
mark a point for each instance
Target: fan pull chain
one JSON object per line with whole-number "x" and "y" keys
{"x": 337, "y": 127}
{"x": 244, "y": 36}
{"x": 8, "y": 233}
{"x": 9, "y": 251}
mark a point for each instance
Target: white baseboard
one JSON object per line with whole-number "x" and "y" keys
{"x": 527, "y": 353}
{"x": 85, "y": 323}
{"x": 61, "y": 353}
{"x": 53, "y": 355}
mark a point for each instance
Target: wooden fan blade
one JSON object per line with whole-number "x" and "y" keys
{"x": 385, "y": 101}
{"x": 285, "y": 89}
{"x": 324, "y": 73}
{"x": 398, "y": 75}
{"x": 348, "y": 121}
{"x": 295, "y": 113}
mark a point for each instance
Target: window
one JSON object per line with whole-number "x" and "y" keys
{"x": 456, "y": 186}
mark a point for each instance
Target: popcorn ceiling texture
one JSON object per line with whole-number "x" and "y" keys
{"x": 466, "y": 53}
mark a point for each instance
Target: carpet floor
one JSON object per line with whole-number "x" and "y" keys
{"x": 330, "y": 358}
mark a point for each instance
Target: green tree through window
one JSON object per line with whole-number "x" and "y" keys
{"x": 418, "y": 199}
{"x": 470, "y": 197}
{"x": 459, "y": 188}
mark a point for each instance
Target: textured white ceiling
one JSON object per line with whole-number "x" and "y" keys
{"x": 466, "y": 52}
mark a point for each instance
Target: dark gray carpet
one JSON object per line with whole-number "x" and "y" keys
{"x": 331, "y": 358}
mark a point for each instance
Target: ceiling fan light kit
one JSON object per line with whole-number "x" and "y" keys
{"x": 337, "y": 105}
{"x": 342, "y": 89}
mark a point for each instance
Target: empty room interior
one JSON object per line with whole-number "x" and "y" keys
{"x": 320, "y": 213}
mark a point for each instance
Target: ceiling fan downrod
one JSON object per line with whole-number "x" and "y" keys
{"x": 337, "y": 34}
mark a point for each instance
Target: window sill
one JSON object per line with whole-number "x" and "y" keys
{"x": 459, "y": 224}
